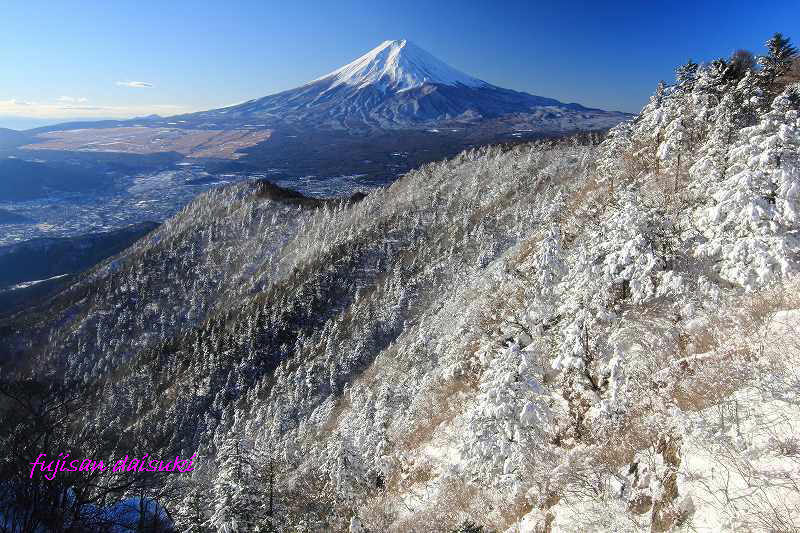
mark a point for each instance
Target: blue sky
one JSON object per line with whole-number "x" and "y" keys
{"x": 76, "y": 59}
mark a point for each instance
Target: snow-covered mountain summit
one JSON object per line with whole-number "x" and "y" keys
{"x": 400, "y": 85}
{"x": 398, "y": 65}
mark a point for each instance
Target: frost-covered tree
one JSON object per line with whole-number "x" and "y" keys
{"x": 779, "y": 58}
{"x": 192, "y": 513}
{"x": 752, "y": 222}
{"x": 686, "y": 75}
{"x": 237, "y": 497}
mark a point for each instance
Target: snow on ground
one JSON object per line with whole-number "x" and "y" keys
{"x": 741, "y": 463}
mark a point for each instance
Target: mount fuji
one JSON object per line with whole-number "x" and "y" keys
{"x": 398, "y": 85}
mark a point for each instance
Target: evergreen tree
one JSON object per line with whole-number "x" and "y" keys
{"x": 191, "y": 515}
{"x": 686, "y": 75}
{"x": 656, "y": 99}
{"x": 469, "y": 526}
{"x": 741, "y": 62}
{"x": 237, "y": 496}
{"x": 777, "y": 62}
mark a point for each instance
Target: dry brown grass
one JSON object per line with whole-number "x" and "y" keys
{"x": 439, "y": 407}
{"x": 760, "y": 307}
{"x": 369, "y": 377}
{"x": 401, "y": 480}
{"x": 526, "y": 249}
{"x": 699, "y": 382}
{"x": 510, "y": 512}
{"x": 584, "y": 204}
{"x": 454, "y": 502}
{"x": 342, "y": 404}
{"x": 619, "y": 447}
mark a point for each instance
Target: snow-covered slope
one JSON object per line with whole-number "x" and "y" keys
{"x": 548, "y": 337}
{"x": 400, "y": 85}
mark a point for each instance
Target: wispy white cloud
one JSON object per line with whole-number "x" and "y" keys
{"x": 14, "y": 102}
{"x": 72, "y": 99}
{"x": 78, "y": 108}
{"x": 135, "y": 84}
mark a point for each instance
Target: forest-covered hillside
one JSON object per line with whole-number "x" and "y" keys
{"x": 585, "y": 335}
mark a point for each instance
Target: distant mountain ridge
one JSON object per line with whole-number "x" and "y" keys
{"x": 12, "y": 138}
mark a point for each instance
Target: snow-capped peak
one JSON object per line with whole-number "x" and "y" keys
{"x": 399, "y": 65}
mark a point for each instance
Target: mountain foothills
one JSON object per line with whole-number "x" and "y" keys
{"x": 578, "y": 335}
